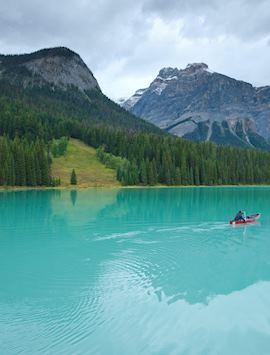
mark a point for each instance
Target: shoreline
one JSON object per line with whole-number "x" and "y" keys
{"x": 81, "y": 188}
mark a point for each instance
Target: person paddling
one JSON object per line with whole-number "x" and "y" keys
{"x": 240, "y": 216}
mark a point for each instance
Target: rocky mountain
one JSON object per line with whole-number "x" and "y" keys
{"x": 199, "y": 104}
{"x": 59, "y": 67}
{"x": 56, "y": 80}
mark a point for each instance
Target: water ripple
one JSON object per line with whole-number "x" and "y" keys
{"x": 137, "y": 276}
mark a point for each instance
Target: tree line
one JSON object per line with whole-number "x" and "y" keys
{"x": 153, "y": 159}
{"x": 23, "y": 163}
{"x": 139, "y": 156}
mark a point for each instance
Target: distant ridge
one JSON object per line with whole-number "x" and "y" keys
{"x": 199, "y": 104}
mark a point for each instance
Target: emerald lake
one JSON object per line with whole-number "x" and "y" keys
{"x": 134, "y": 271}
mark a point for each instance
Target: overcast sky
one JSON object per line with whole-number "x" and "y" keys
{"x": 125, "y": 43}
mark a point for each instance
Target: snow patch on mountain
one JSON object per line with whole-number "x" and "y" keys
{"x": 159, "y": 88}
{"x": 128, "y": 104}
{"x": 167, "y": 79}
{"x": 200, "y": 104}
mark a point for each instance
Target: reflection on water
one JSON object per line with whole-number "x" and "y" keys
{"x": 73, "y": 197}
{"x": 150, "y": 270}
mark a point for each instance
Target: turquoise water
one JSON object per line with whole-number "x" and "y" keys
{"x": 134, "y": 271}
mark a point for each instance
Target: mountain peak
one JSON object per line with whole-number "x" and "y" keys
{"x": 167, "y": 72}
{"x": 53, "y": 52}
{"x": 16, "y": 59}
{"x": 58, "y": 66}
{"x": 196, "y": 66}
{"x": 59, "y": 50}
{"x": 197, "y": 104}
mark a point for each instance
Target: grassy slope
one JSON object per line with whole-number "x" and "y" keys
{"x": 90, "y": 172}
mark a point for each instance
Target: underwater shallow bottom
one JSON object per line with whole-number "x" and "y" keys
{"x": 134, "y": 271}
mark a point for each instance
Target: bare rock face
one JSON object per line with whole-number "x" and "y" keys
{"x": 199, "y": 104}
{"x": 59, "y": 67}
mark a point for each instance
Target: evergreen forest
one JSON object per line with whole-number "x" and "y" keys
{"x": 31, "y": 120}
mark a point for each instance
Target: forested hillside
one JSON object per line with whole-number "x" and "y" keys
{"x": 149, "y": 158}
{"x": 24, "y": 163}
{"x": 46, "y": 111}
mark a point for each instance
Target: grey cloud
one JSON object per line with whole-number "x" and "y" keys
{"x": 106, "y": 27}
{"x": 247, "y": 19}
{"x": 176, "y": 8}
{"x": 125, "y": 42}
{"x": 117, "y": 25}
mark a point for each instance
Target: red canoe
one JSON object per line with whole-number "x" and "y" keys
{"x": 250, "y": 219}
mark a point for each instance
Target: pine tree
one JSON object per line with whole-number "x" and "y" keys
{"x": 73, "y": 178}
{"x": 143, "y": 173}
{"x": 178, "y": 180}
{"x": 150, "y": 174}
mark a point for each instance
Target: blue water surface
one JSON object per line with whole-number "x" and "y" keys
{"x": 134, "y": 271}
